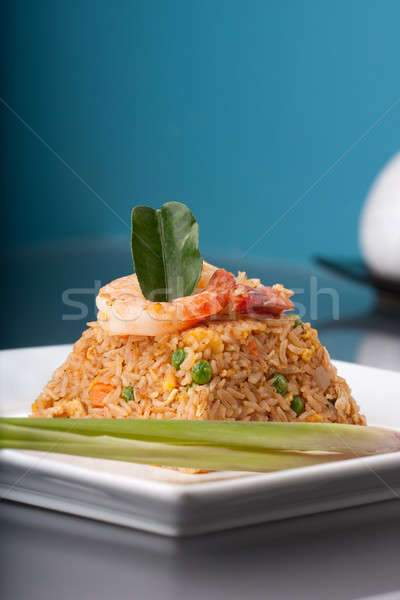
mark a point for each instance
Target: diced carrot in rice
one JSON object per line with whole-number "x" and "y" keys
{"x": 99, "y": 392}
{"x": 253, "y": 348}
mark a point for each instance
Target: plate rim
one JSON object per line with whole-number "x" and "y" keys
{"x": 172, "y": 490}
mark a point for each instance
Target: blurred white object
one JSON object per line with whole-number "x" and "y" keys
{"x": 380, "y": 223}
{"x": 379, "y": 349}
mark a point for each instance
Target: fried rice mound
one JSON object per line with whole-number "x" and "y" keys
{"x": 138, "y": 380}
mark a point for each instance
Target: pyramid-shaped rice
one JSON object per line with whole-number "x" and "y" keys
{"x": 271, "y": 369}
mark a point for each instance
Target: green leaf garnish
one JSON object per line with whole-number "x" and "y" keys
{"x": 165, "y": 251}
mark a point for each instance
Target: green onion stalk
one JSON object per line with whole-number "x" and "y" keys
{"x": 209, "y": 445}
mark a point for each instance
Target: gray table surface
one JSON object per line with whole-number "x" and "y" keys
{"x": 340, "y": 555}
{"x": 343, "y": 555}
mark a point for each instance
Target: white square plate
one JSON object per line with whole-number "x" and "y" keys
{"x": 171, "y": 503}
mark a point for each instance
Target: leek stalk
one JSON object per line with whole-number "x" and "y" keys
{"x": 209, "y": 445}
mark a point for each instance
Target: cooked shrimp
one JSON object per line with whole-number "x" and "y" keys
{"x": 123, "y": 310}
{"x": 206, "y": 274}
{"x": 250, "y": 296}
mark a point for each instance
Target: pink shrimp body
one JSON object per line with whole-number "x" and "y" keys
{"x": 123, "y": 310}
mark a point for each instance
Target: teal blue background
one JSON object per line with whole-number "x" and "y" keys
{"x": 233, "y": 107}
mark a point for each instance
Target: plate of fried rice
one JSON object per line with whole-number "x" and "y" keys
{"x": 174, "y": 503}
{"x": 181, "y": 339}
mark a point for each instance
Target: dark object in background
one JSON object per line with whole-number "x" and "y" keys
{"x": 357, "y": 270}
{"x": 50, "y": 289}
